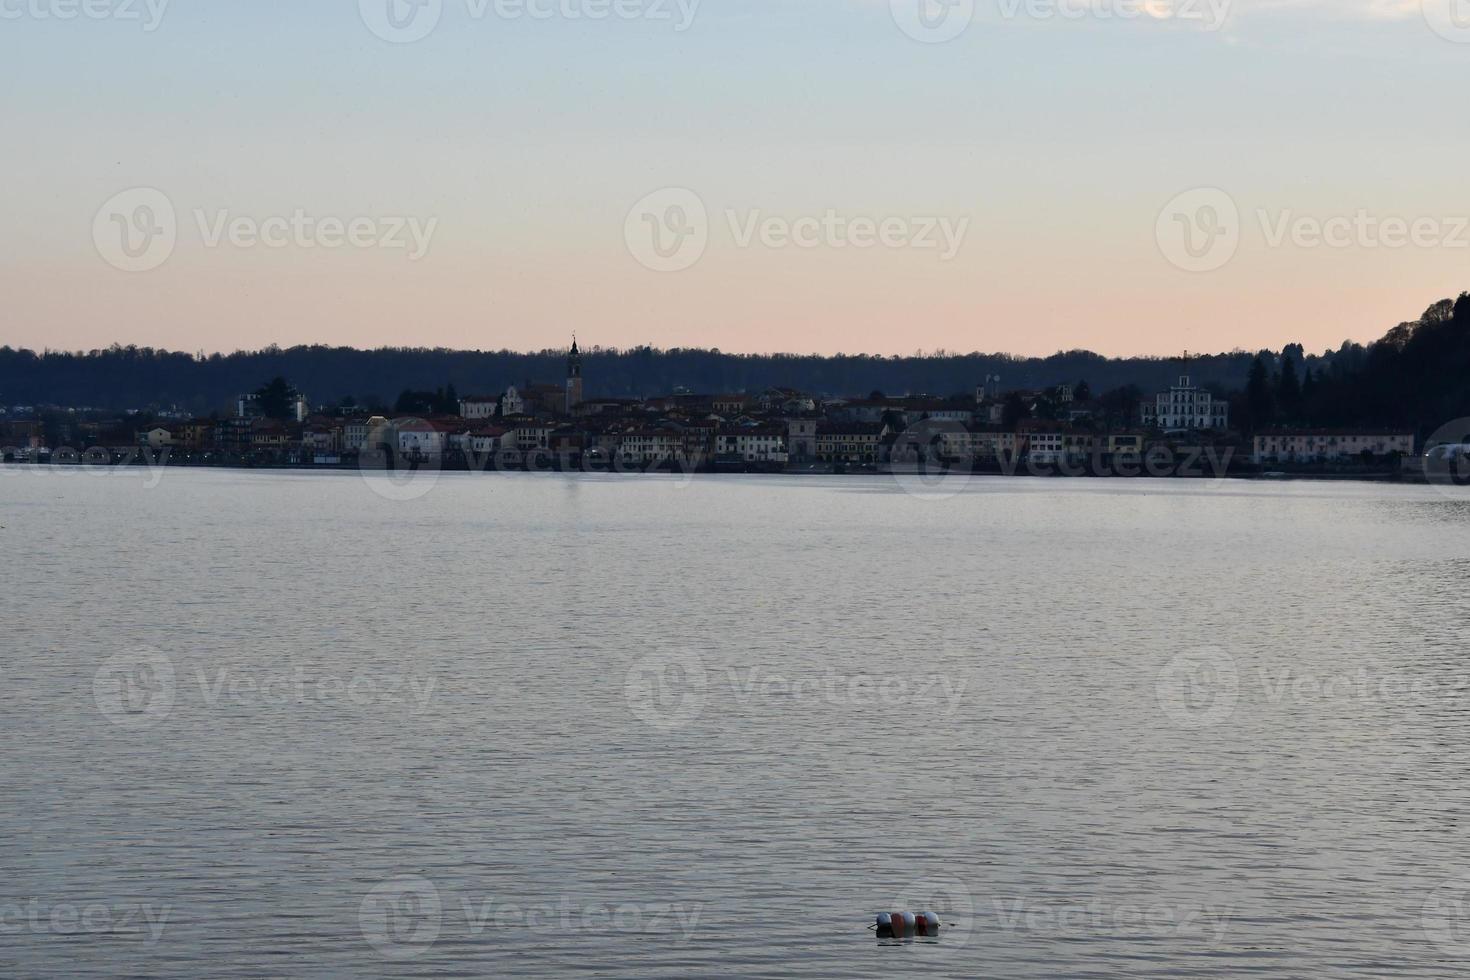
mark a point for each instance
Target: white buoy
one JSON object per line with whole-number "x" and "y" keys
{"x": 906, "y": 925}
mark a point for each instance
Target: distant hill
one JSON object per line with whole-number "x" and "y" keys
{"x": 137, "y": 377}
{"x": 1419, "y": 373}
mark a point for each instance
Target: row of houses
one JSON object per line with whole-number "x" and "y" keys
{"x": 639, "y": 441}
{"x": 1329, "y": 445}
{"x": 776, "y": 427}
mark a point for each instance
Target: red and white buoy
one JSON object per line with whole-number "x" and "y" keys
{"x": 906, "y": 925}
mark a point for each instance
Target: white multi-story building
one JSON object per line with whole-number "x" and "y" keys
{"x": 975, "y": 442}
{"x": 425, "y": 440}
{"x": 355, "y": 434}
{"x": 1044, "y": 447}
{"x": 527, "y": 436}
{"x": 753, "y": 445}
{"x": 479, "y": 407}
{"x": 157, "y": 437}
{"x": 648, "y": 446}
{"x": 1327, "y": 445}
{"x": 486, "y": 441}
{"x": 1184, "y": 407}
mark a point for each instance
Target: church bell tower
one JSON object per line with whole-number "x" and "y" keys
{"x": 574, "y": 378}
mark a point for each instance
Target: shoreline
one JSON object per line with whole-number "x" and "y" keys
{"x": 1117, "y": 470}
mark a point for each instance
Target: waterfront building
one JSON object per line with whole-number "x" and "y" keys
{"x": 354, "y": 435}
{"x": 527, "y": 435}
{"x": 234, "y": 435}
{"x": 486, "y": 440}
{"x": 1045, "y": 447}
{"x": 425, "y": 438}
{"x": 1185, "y": 407}
{"x": 801, "y": 439}
{"x": 1124, "y": 443}
{"x": 321, "y": 439}
{"x": 850, "y": 442}
{"x": 762, "y": 444}
{"x": 156, "y": 438}
{"x": 1328, "y": 445}
{"x": 643, "y": 446}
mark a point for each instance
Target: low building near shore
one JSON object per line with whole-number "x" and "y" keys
{"x": 756, "y": 444}
{"x": 1328, "y": 445}
{"x": 850, "y": 443}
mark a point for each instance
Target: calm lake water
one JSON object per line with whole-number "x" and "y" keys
{"x": 274, "y": 723}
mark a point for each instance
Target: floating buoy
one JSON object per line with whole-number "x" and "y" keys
{"x": 902, "y": 925}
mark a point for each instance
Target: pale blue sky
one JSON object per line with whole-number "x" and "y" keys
{"x": 529, "y": 141}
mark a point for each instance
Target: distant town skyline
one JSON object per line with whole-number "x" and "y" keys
{"x": 831, "y": 176}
